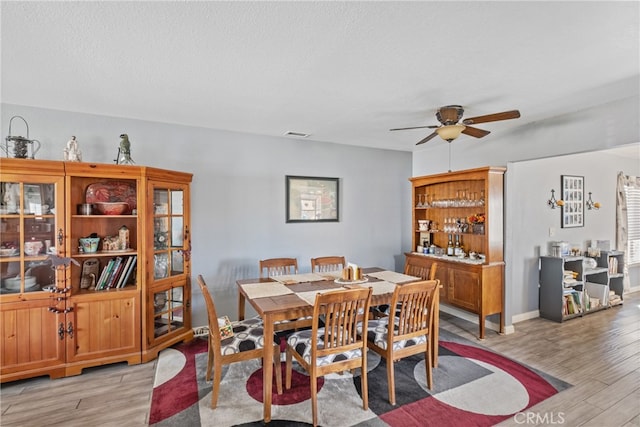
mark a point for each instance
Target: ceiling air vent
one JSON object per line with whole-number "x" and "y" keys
{"x": 297, "y": 134}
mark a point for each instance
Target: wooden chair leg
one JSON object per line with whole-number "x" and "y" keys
{"x": 364, "y": 383}
{"x": 288, "y": 368}
{"x": 391, "y": 379}
{"x": 428, "y": 363}
{"x": 314, "y": 399}
{"x": 217, "y": 378}
{"x": 277, "y": 368}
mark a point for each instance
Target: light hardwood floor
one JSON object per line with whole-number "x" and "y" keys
{"x": 598, "y": 354}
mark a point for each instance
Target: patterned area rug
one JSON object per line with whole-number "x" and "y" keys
{"x": 472, "y": 387}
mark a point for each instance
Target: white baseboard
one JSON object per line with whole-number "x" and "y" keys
{"x": 525, "y": 316}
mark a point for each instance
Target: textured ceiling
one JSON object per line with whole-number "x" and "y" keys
{"x": 345, "y": 72}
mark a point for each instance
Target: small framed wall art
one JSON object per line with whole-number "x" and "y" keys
{"x": 573, "y": 197}
{"x": 312, "y": 199}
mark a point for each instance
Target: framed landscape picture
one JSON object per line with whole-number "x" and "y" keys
{"x": 573, "y": 198}
{"x": 312, "y": 199}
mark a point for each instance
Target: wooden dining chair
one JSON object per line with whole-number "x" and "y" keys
{"x": 327, "y": 263}
{"x": 335, "y": 347}
{"x": 246, "y": 343}
{"x": 422, "y": 271}
{"x": 278, "y": 266}
{"x": 413, "y": 326}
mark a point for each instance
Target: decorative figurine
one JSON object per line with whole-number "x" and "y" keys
{"x": 72, "y": 153}
{"x": 124, "y": 151}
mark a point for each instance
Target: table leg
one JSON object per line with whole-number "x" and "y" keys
{"x": 240, "y": 306}
{"x": 267, "y": 366}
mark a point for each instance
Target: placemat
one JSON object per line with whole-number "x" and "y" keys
{"x": 265, "y": 289}
{"x": 393, "y": 277}
{"x": 310, "y": 296}
{"x": 292, "y": 279}
{"x": 382, "y": 287}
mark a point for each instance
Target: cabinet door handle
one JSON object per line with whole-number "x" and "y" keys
{"x": 70, "y": 330}
{"x": 61, "y": 331}
{"x": 60, "y": 237}
{"x": 58, "y": 311}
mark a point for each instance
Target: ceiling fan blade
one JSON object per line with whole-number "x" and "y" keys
{"x": 417, "y": 127}
{"x": 427, "y": 138}
{"x": 478, "y": 133}
{"x": 505, "y": 115}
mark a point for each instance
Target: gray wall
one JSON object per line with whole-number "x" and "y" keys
{"x": 238, "y": 192}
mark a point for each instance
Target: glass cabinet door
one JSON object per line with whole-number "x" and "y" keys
{"x": 169, "y": 312}
{"x": 169, "y": 232}
{"x": 29, "y": 234}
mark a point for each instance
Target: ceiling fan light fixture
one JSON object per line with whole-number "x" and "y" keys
{"x": 450, "y": 132}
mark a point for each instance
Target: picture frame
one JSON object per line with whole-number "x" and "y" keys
{"x": 312, "y": 199}
{"x": 573, "y": 198}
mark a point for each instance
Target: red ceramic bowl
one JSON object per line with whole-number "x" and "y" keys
{"x": 111, "y": 208}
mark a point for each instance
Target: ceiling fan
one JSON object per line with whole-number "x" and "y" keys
{"x": 451, "y": 128}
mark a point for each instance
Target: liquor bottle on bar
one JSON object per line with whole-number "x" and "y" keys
{"x": 457, "y": 250}
{"x": 450, "y": 250}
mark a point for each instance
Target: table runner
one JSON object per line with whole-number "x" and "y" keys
{"x": 292, "y": 279}
{"x": 382, "y": 287}
{"x": 265, "y": 289}
{"x": 310, "y": 296}
{"x": 393, "y": 277}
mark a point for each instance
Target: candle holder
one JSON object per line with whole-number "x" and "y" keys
{"x": 552, "y": 202}
{"x": 591, "y": 205}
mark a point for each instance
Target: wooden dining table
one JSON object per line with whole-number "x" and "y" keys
{"x": 293, "y": 301}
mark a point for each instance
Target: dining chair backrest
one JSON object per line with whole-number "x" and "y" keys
{"x": 327, "y": 263}
{"x": 414, "y": 311}
{"x": 214, "y": 329}
{"x": 340, "y": 312}
{"x": 422, "y": 271}
{"x": 278, "y": 266}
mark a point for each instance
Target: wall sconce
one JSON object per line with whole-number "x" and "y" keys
{"x": 591, "y": 204}
{"x": 552, "y": 202}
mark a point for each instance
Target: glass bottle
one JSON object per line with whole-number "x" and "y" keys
{"x": 457, "y": 250}
{"x": 450, "y": 250}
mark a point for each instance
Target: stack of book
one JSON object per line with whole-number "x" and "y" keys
{"x": 613, "y": 265}
{"x": 117, "y": 272}
{"x": 569, "y": 278}
{"x": 614, "y": 299}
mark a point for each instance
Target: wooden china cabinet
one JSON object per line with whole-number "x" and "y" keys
{"x": 58, "y": 317}
{"x": 445, "y": 207}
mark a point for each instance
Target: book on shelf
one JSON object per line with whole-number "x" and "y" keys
{"x": 125, "y": 266}
{"x": 127, "y": 274}
{"x": 572, "y": 303}
{"x": 104, "y": 276}
{"x": 115, "y": 272}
